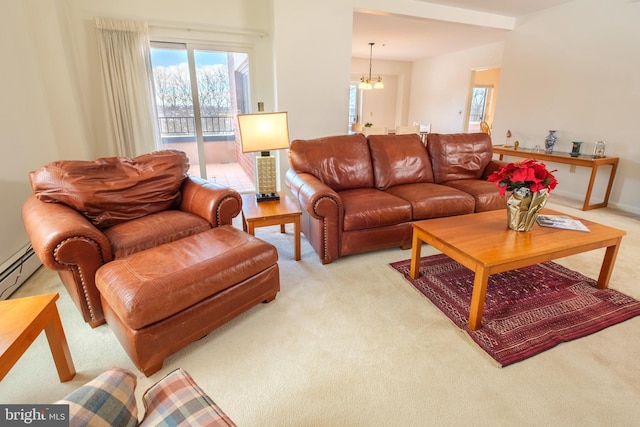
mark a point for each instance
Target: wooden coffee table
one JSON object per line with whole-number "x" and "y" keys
{"x": 21, "y": 321}
{"x": 273, "y": 212}
{"x": 483, "y": 243}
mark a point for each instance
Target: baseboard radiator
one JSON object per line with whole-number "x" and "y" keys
{"x": 16, "y": 270}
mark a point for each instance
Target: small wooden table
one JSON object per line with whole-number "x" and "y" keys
{"x": 582, "y": 160}
{"x": 21, "y": 321}
{"x": 483, "y": 243}
{"x": 276, "y": 212}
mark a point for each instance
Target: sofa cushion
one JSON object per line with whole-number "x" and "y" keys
{"x": 399, "y": 159}
{"x": 112, "y": 190}
{"x": 153, "y": 230}
{"x": 459, "y": 156}
{"x": 342, "y": 162}
{"x": 484, "y": 193}
{"x": 366, "y": 208}
{"x": 430, "y": 200}
{"x": 107, "y": 400}
{"x": 177, "y": 400}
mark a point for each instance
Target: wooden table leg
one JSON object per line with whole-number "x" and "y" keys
{"x": 612, "y": 175}
{"x": 607, "y": 265}
{"x": 416, "y": 248}
{"x": 587, "y": 205}
{"x": 296, "y": 237}
{"x": 477, "y": 298}
{"x": 58, "y": 345}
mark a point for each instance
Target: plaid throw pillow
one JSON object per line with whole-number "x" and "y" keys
{"x": 177, "y": 400}
{"x": 107, "y": 400}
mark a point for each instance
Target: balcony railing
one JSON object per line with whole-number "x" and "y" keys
{"x": 211, "y": 125}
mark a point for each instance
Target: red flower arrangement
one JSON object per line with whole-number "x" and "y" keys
{"x": 527, "y": 174}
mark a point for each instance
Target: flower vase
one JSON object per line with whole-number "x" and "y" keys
{"x": 523, "y": 208}
{"x": 550, "y": 141}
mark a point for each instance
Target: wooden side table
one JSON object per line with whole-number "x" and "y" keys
{"x": 276, "y": 212}
{"x": 21, "y": 321}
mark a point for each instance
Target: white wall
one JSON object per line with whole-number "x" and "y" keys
{"x": 576, "y": 68}
{"x": 440, "y": 86}
{"x": 379, "y": 106}
{"x": 388, "y": 107}
{"x": 27, "y": 137}
{"x": 313, "y": 53}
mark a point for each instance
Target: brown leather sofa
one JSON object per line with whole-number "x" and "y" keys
{"x": 362, "y": 193}
{"x": 84, "y": 215}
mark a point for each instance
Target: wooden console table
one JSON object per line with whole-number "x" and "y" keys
{"x": 583, "y": 160}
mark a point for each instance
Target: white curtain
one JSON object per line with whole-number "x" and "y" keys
{"x": 126, "y": 68}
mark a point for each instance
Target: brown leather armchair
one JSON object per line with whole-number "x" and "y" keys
{"x": 84, "y": 214}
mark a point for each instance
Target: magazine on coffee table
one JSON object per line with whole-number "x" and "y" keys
{"x": 561, "y": 221}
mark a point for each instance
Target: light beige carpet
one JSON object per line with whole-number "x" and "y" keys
{"x": 353, "y": 344}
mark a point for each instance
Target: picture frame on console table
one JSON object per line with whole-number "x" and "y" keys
{"x": 598, "y": 151}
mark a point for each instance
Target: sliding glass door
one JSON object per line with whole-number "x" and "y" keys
{"x": 198, "y": 94}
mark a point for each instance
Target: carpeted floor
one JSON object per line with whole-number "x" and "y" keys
{"x": 526, "y": 311}
{"x": 352, "y": 344}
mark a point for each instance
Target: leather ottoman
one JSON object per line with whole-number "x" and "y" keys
{"x": 160, "y": 300}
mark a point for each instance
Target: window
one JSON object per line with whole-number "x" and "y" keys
{"x": 481, "y": 105}
{"x": 354, "y": 103}
{"x": 480, "y": 98}
{"x": 198, "y": 94}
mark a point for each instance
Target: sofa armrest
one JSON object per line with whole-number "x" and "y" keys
{"x": 64, "y": 240}
{"x": 61, "y": 236}
{"x": 214, "y": 202}
{"x": 318, "y": 199}
{"x": 324, "y": 207}
{"x": 493, "y": 166}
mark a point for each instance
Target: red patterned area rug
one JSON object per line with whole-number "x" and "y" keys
{"x": 527, "y": 311}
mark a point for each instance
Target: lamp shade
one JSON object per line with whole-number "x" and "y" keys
{"x": 263, "y": 131}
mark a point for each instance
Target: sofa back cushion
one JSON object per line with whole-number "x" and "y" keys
{"x": 112, "y": 190}
{"x": 342, "y": 162}
{"x": 399, "y": 159}
{"x": 459, "y": 155}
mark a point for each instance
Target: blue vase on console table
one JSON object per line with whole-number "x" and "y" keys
{"x": 550, "y": 141}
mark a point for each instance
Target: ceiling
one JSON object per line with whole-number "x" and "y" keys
{"x": 406, "y": 38}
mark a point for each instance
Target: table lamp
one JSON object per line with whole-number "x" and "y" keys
{"x": 262, "y": 132}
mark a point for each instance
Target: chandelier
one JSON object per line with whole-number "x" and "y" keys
{"x": 367, "y": 84}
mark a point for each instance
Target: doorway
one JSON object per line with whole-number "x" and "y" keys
{"x": 482, "y": 96}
